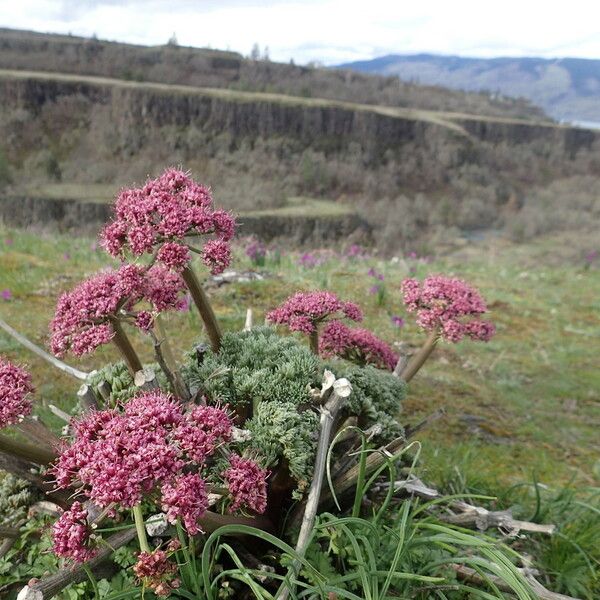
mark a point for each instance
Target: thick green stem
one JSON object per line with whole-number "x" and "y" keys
{"x": 140, "y": 528}
{"x": 204, "y": 308}
{"x": 418, "y": 360}
{"x": 41, "y": 455}
{"x": 124, "y": 345}
{"x": 314, "y": 341}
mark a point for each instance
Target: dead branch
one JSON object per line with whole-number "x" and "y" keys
{"x": 87, "y": 399}
{"x": 59, "y": 364}
{"x": 468, "y": 514}
{"x": 48, "y": 587}
{"x": 469, "y": 575}
{"x": 248, "y": 323}
{"x": 411, "y": 431}
{"x": 328, "y": 414}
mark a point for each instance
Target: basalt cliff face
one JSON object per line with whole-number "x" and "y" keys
{"x": 256, "y": 149}
{"x": 114, "y": 120}
{"x": 172, "y": 64}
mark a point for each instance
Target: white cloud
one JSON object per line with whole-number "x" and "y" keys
{"x": 330, "y": 31}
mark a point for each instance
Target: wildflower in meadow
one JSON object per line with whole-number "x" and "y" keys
{"x": 88, "y": 316}
{"x": 447, "y": 305}
{"x": 397, "y": 321}
{"x": 168, "y": 212}
{"x": 358, "y": 345}
{"x": 304, "y": 311}
{"x": 15, "y": 390}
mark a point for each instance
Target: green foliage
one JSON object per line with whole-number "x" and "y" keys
{"x": 376, "y": 397}
{"x": 15, "y": 498}
{"x": 253, "y": 367}
{"x": 280, "y": 430}
{"x": 118, "y": 377}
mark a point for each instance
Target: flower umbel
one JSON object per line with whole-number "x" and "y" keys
{"x": 358, "y": 345}
{"x": 82, "y": 320}
{"x": 449, "y": 304}
{"x": 167, "y": 212}
{"x": 71, "y": 535}
{"x": 156, "y": 571}
{"x": 15, "y": 387}
{"x": 305, "y": 310}
{"x": 247, "y": 484}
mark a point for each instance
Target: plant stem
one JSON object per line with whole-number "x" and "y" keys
{"x": 36, "y": 454}
{"x": 191, "y": 572}
{"x": 417, "y": 361}
{"x": 204, "y": 308}
{"x": 140, "y": 528}
{"x": 314, "y": 341}
{"x": 164, "y": 344}
{"x": 124, "y": 345}
{"x": 92, "y": 579}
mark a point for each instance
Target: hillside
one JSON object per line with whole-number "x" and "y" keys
{"x": 214, "y": 68}
{"x": 409, "y": 172}
{"x": 567, "y": 88}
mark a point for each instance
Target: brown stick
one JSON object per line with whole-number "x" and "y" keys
{"x": 470, "y": 514}
{"x": 35, "y": 454}
{"x": 25, "y": 470}
{"x": 38, "y": 433}
{"x": 328, "y": 414}
{"x": 417, "y": 361}
{"x": 204, "y": 308}
{"x": 471, "y": 576}
{"x": 434, "y": 416}
{"x": 124, "y": 345}
{"x": 59, "y": 364}
{"x": 314, "y": 341}
{"x": 52, "y": 585}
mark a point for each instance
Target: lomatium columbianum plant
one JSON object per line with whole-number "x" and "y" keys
{"x": 234, "y": 436}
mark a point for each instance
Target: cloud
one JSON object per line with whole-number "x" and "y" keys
{"x": 329, "y": 31}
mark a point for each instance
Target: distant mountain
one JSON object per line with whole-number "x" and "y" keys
{"x": 568, "y": 89}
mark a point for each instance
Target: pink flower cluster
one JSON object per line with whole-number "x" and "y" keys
{"x": 305, "y": 310}
{"x": 449, "y": 304}
{"x": 154, "y": 446}
{"x": 359, "y": 345}
{"x": 185, "y": 498}
{"x": 247, "y": 484}
{"x": 156, "y": 571}
{"x": 166, "y": 211}
{"x": 71, "y": 535}
{"x": 82, "y": 319}
{"x": 118, "y": 456}
{"x": 15, "y": 387}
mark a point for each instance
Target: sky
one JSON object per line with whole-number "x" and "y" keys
{"x": 328, "y": 31}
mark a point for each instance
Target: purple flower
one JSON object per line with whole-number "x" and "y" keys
{"x": 374, "y": 289}
{"x": 591, "y": 256}
{"x": 305, "y": 310}
{"x": 66, "y": 256}
{"x": 449, "y": 304}
{"x": 397, "y": 321}
{"x": 8, "y": 242}
{"x": 6, "y": 294}
{"x": 359, "y": 345}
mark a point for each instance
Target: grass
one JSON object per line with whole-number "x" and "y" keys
{"x": 522, "y": 412}
{"x": 525, "y": 404}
